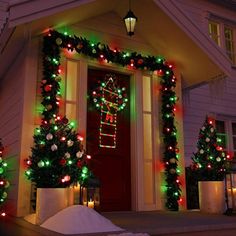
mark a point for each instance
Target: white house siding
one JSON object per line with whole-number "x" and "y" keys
{"x": 17, "y": 92}
{"x": 11, "y": 105}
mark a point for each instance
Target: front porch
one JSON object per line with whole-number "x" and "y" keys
{"x": 152, "y": 223}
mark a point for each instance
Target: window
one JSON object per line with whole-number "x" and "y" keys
{"x": 226, "y": 132}
{"x": 229, "y": 43}
{"x": 234, "y": 138}
{"x": 221, "y": 133}
{"x": 223, "y": 36}
{"x": 214, "y": 32}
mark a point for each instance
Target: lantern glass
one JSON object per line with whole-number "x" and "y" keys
{"x": 130, "y": 21}
{"x": 88, "y": 194}
{"x": 230, "y": 187}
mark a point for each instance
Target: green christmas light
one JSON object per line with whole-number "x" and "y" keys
{"x": 85, "y": 170}
{"x": 47, "y": 163}
{"x": 72, "y": 124}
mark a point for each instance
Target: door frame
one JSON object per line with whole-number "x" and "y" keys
{"x": 136, "y": 126}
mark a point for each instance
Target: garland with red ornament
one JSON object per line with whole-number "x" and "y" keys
{"x": 209, "y": 160}
{"x": 54, "y": 41}
{"x": 4, "y": 184}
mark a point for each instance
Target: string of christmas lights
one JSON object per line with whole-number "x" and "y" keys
{"x": 54, "y": 40}
{"x": 109, "y": 98}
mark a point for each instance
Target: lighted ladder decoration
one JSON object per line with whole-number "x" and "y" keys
{"x": 109, "y": 99}
{"x": 108, "y": 119}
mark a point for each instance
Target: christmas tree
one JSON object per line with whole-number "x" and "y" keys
{"x": 209, "y": 160}
{"x": 4, "y": 184}
{"x": 58, "y": 158}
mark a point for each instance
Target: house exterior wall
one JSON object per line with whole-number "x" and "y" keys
{"x": 17, "y": 92}
{"x": 216, "y": 98}
{"x": 11, "y": 102}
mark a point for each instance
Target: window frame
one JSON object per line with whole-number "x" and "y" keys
{"x": 229, "y": 134}
{"x": 221, "y": 42}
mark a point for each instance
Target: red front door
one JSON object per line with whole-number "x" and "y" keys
{"x": 110, "y": 165}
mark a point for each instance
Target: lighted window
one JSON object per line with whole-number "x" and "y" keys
{"x": 221, "y": 133}
{"x": 214, "y": 31}
{"x": 147, "y": 140}
{"x": 229, "y": 43}
{"x": 71, "y": 89}
{"x": 234, "y": 138}
{"x": 226, "y": 132}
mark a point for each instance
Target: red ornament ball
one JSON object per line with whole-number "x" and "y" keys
{"x": 79, "y": 164}
{"x": 48, "y": 87}
{"x": 62, "y": 162}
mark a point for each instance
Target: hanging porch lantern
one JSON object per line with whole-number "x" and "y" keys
{"x": 130, "y": 21}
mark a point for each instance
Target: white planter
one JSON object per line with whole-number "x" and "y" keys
{"x": 50, "y": 201}
{"x": 212, "y": 196}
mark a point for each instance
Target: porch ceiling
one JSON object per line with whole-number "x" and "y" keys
{"x": 154, "y": 26}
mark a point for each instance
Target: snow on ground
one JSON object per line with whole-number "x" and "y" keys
{"x": 79, "y": 219}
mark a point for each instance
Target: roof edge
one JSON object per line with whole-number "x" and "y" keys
{"x": 191, "y": 29}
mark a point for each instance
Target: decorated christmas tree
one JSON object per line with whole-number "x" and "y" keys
{"x": 58, "y": 158}
{"x": 209, "y": 160}
{"x": 4, "y": 184}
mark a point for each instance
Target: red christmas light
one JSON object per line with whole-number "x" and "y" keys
{"x": 80, "y": 138}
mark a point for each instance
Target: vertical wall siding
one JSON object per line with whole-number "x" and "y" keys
{"x": 11, "y": 105}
